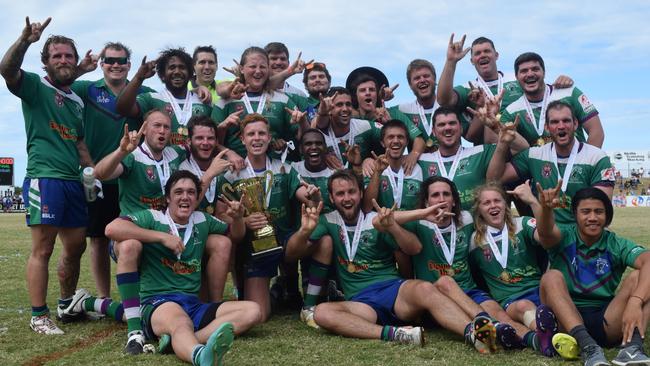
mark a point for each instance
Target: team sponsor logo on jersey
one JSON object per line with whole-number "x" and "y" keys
{"x": 585, "y": 103}
{"x": 58, "y": 99}
{"x": 602, "y": 266}
{"x": 546, "y": 170}
{"x": 384, "y": 185}
{"x": 103, "y": 98}
{"x": 433, "y": 170}
{"x": 608, "y": 174}
{"x": 412, "y": 187}
{"x": 150, "y": 173}
{"x": 366, "y": 238}
{"x": 197, "y": 110}
{"x": 180, "y": 267}
{"x": 532, "y": 223}
{"x": 66, "y": 133}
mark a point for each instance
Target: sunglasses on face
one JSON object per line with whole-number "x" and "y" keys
{"x": 112, "y": 60}
{"x": 315, "y": 64}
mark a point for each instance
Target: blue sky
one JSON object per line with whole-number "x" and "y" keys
{"x": 602, "y": 46}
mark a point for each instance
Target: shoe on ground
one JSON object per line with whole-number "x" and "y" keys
{"x": 409, "y": 335}
{"x": 483, "y": 335}
{"x": 307, "y": 317}
{"x": 566, "y": 346}
{"x": 594, "y": 356}
{"x": 135, "y": 343}
{"x": 631, "y": 355}
{"x": 217, "y": 345}
{"x": 546, "y": 329}
{"x": 44, "y": 325}
{"x": 75, "y": 310}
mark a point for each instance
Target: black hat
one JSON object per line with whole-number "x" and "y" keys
{"x": 353, "y": 80}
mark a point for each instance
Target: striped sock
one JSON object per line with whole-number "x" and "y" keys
{"x": 530, "y": 340}
{"x": 128, "y": 285}
{"x": 105, "y": 306}
{"x": 196, "y": 352}
{"x": 388, "y": 333}
{"x": 64, "y": 303}
{"x": 40, "y": 310}
{"x": 317, "y": 277}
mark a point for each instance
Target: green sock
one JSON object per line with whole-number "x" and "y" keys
{"x": 317, "y": 277}
{"x": 531, "y": 341}
{"x": 388, "y": 333}
{"x": 128, "y": 285}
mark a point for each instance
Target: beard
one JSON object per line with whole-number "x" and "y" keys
{"x": 63, "y": 76}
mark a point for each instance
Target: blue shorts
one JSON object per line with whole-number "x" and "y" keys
{"x": 201, "y": 313}
{"x": 265, "y": 265}
{"x": 594, "y": 319}
{"x": 478, "y": 295}
{"x": 56, "y": 202}
{"x": 381, "y": 298}
{"x": 530, "y": 295}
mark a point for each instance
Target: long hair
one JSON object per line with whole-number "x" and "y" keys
{"x": 424, "y": 195}
{"x": 480, "y": 226}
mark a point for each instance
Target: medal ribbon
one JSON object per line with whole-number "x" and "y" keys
{"x": 333, "y": 142}
{"x": 174, "y": 230}
{"x": 500, "y": 255}
{"x": 162, "y": 167}
{"x": 396, "y": 183}
{"x": 428, "y": 124}
{"x": 450, "y": 251}
{"x": 483, "y": 85}
{"x": 249, "y": 107}
{"x": 538, "y": 124}
{"x": 212, "y": 189}
{"x": 351, "y": 248}
{"x": 569, "y": 164}
{"x": 182, "y": 115}
{"x": 454, "y": 164}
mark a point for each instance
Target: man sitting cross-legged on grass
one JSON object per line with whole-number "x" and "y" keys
{"x": 173, "y": 246}
{"x": 587, "y": 264}
{"x": 377, "y": 298}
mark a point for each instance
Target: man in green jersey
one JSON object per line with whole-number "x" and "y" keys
{"x": 389, "y": 183}
{"x": 173, "y": 242}
{"x": 578, "y": 164}
{"x": 587, "y": 264}
{"x": 490, "y": 82}
{"x": 280, "y": 70}
{"x": 532, "y": 106}
{"x": 52, "y": 190}
{"x": 377, "y": 298}
{"x": 281, "y": 185}
{"x": 467, "y": 167}
{"x": 103, "y": 128}
{"x": 316, "y": 79}
{"x": 175, "y": 69}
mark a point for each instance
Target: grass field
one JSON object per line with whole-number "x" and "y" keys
{"x": 281, "y": 341}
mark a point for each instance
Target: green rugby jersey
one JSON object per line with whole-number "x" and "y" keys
{"x": 159, "y": 100}
{"x": 286, "y": 182}
{"x": 512, "y": 91}
{"x": 53, "y": 125}
{"x": 161, "y": 271}
{"x": 139, "y": 183}
{"x": 580, "y": 104}
{"x": 362, "y": 132}
{"x": 591, "y": 168}
{"x": 430, "y": 264}
{"x": 319, "y": 179}
{"x": 374, "y": 261}
{"x": 593, "y": 273}
{"x": 472, "y": 168}
{"x": 522, "y": 273}
{"x": 279, "y": 119}
{"x": 410, "y": 188}
{"x": 103, "y": 126}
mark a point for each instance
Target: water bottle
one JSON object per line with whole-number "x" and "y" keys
{"x": 89, "y": 184}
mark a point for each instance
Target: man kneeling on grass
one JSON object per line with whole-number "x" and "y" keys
{"x": 587, "y": 264}
{"x": 170, "y": 268}
{"x": 378, "y": 300}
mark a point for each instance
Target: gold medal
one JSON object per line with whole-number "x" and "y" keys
{"x": 541, "y": 141}
{"x": 429, "y": 142}
{"x": 180, "y": 130}
{"x": 209, "y": 209}
{"x": 498, "y": 117}
{"x": 450, "y": 272}
{"x": 351, "y": 267}
{"x": 505, "y": 276}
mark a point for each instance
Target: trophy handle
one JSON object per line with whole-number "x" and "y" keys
{"x": 228, "y": 191}
{"x": 268, "y": 178}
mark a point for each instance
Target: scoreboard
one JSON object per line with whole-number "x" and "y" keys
{"x": 6, "y": 171}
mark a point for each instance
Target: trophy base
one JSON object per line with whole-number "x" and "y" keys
{"x": 265, "y": 243}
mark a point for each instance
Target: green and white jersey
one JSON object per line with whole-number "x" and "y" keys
{"x": 162, "y": 100}
{"x": 103, "y": 126}
{"x": 420, "y": 118}
{"x": 362, "y": 132}
{"x": 521, "y": 272}
{"x": 511, "y": 86}
{"x": 319, "y": 179}
{"x": 592, "y": 273}
{"x": 373, "y": 261}
{"x": 591, "y": 168}
{"x": 272, "y": 109}
{"x": 528, "y": 129}
{"x": 307, "y": 104}
{"x": 471, "y": 168}
{"x": 292, "y": 90}
{"x": 432, "y": 262}
{"x": 391, "y": 182}
{"x": 140, "y": 184}
{"x": 208, "y": 203}
{"x": 53, "y": 125}
{"x": 161, "y": 271}
{"x": 284, "y": 185}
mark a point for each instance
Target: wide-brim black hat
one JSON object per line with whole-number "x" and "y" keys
{"x": 352, "y": 81}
